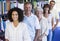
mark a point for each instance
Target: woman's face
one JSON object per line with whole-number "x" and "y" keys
{"x": 46, "y": 12}
{"x": 15, "y": 16}
{"x": 39, "y": 14}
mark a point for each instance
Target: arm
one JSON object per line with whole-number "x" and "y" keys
{"x": 56, "y": 22}
{"x": 56, "y": 18}
{"x": 6, "y": 33}
{"x": 54, "y": 25}
{"x": 37, "y": 34}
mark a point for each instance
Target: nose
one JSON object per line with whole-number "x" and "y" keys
{"x": 27, "y": 8}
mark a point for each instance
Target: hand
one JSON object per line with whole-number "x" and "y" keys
{"x": 39, "y": 38}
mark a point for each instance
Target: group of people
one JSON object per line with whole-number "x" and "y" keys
{"x": 28, "y": 26}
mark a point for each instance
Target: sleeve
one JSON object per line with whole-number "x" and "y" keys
{"x": 57, "y": 15}
{"x": 26, "y": 34}
{"x": 6, "y": 32}
{"x": 37, "y": 25}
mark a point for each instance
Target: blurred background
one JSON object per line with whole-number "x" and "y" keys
{"x": 6, "y": 5}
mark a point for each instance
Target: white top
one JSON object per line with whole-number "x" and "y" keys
{"x": 20, "y": 33}
{"x": 50, "y": 20}
{"x": 7, "y": 21}
{"x": 44, "y": 26}
{"x": 32, "y": 23}
{"x": 55, "y": 14}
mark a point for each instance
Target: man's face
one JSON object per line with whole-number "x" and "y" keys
{"x": 52, "y": 4}
{"x": 27, "y": 8}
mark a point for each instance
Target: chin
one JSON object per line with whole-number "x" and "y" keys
{"x": 15, "y": 20}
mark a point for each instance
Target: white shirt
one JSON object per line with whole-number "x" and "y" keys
{"x": 32, "y": 23}
{"x": 50, "y": 20}
{"x": 44, "y": 28}
{"x": 20, "y": 33}
{"x": 55, "y": 14}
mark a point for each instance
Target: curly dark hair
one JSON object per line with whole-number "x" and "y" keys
{"x": 20, "y": 14}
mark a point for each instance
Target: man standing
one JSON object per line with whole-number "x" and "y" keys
{"x": 32, "y": 22}
{"x": 55, "y": 17}
{"x": 54, "y": 13}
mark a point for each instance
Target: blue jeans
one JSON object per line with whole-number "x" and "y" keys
{"x": 49, "y": 37}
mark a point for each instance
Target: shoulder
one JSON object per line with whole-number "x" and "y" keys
{"x": 34, "y": 16}
{"x": 43, "y": 18}
{"x": 23, "y": 24}
{"x": 9, "y": 23}
{"x": 50, "y": 16}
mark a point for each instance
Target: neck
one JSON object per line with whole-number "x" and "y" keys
{"x": 39, "y": 18}
{"x": 45, "y": 16}
{"x": 51, "y": 8}
{"x": 15, "y": 23}
{"x": 28, "y": 14}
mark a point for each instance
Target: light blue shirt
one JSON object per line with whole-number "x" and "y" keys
{"x": 32, "y": 23}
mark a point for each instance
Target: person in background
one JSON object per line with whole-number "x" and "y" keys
{"x": 50, "y": 20}
{"x": 54, "y": 12}
{"x": 55, "y": 15}
{"x": 3, "y": 23}
{"x": 2, "y": 29}
{"x": 39, "y": 13}
{"x": 43, "y": 23}
{"x": 16, "y": 30}
{"x": 32, "y": 21}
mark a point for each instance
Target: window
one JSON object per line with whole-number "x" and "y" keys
{"x": 20, "y": 1}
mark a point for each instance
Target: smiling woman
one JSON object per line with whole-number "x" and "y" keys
{"x": 15, "y": 11}
{"x": 16, "y": 30}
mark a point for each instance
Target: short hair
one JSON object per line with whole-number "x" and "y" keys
{"x": 27, "y": 3}
{"x": 20, "y": 14}
{"x": 46, "y": 6}
{"x": 39, "y": 9}
{"x": 52, "y": 1}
